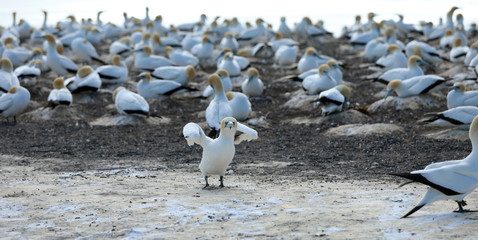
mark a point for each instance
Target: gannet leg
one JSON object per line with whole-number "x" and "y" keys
{"x": 221, "y": 179}
{"x": 207, "y": 184}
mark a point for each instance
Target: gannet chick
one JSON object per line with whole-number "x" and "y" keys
{"x": 230, "y": 65}
{"x": 27, "y": 74}
{"x": 286, "y": 55}
{"x": 61, "y": 65}
{"x": 143, "y": 60}
{"x": 240, "y": 105}
{"x": 179, "y": 74}
{"x": 155, "y": 88}
{"x": 403, "y": 73}
{"x": 452, "y": 180}
{"x": 14, "y": 102}
{"x": 122, "y": 47}
{"x": 458, "y": 96}
{"x": 86, "y": 79}
{"x": 414, "y": 86}
{"x": 180, "y": 57}
{"x": 320, "y": 82}
{"x": 226, "y": 83}
{"x": 203, "y": 50}
{"x": 59, "y": 95}
{"x": 228, "y": 41}
{"x": 393, "y": 58}
{"x": 334, "y": 99}
{"x": 219, "y": 107}
{"x": 460, "y": 116}
{"x": 458, "y": 52}
{"x": 130, "y": 103}
{"x": 218, "y": 153}
{"x": 8, "y": 78}
{"x": 471, "y": 54}
{"x": 114, "y": 73}
{"x": 252, "y": 85}
{"x": 85, "y": 51}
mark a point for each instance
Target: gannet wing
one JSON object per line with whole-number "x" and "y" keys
{"x": 193, "y": 133}
{"x": 248, "y": 133}
{"x": 450, "y": 179}
{"x": 68, "y": 64}
{"x": 442, "y": 164}
{"x": 6, "y": 100}
{"x": 166, "y": 72}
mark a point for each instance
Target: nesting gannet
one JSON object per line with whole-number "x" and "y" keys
{"x": 240, "y": 105}
{"x": 460, "y": 116}
{"x": 96, "y": 36}
{"x": 334, "y": 99}
{"x": 85, "y": 51}
{"x": 180, "y": 57}
{"x": 335, "y": 71}
{"x": 179, "y": 74}
{"x": 262, "y": 51}
{"x": 449, "y": 180}
{"x": 59, "y": 95}
{"x": 375, "y": 48}
{"x": 203, "y": 50}
{"x": 160, "y": 43}
{"x": 230, "y": 65}
{"x": 117, "y": 72}
{"x": 254, "y": 35}
{"x": 320, "y": 82}
{"x": 121, "y": 47}
{"x": 130, "y": 103}
{"x": 458, "y": 96}
{"x": 28, "y": 73}
{"x": 218, "y": 153}
{"x": 228, "y": 41}
{"x": 17, "y": 55}
{"x": 155, "y": 88}
{"x": 38, "y": 55}
{"x": 458, "y": 52}
{"x": 14, "y": 102}
{"x": 286, "y": 55}
{"x": 278, "y": 41}
{"x": 425, "y": 51}
{"x": 311, "y": 60}
{"x": 362, "y": 39}
{"x": 219, "y": 107}
{"x": 86, "y": 79}
{"x": 446, "y": 42}
{"x": 403, "y": 73}
{"x": 8, "y": 78}
{"x": 243, "y": 62}
{"x": 414, "y": 86}
{"x": 61, "y": 65}
{"x": 252, "y": 85}
{"x": 145, "y": 41}
{"x": 393, "y": 58}
{"x": 471, "y": 53}
{"x": 145, "y": 61}
{"x": 226, "y": 83}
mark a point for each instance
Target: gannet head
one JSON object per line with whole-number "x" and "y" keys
{"x": 459, "y": 87}
{"x": 474, "y": 45}
{"x": 252, "y": 72}
{"x": 230, "y": 95}
{"x": 228, "y": 125}
{"x": 392, "y": 48}
{"x": 116, "y": 60}
{"x": 345, "y": 90}
{"x": 222, "y": 73}
{"x": 146, "y": 50}
{"x": 206, "y": 39}
{"x": 282, "y": 19}
{"x": 415, "y": 60}
{"x": 150, "y": 24}
{"x": 84, "y": 71}
{"x": 59, "y": 48}
{"x": 116, "y": 91}
{"x": 146, "y": 76}
{"x": 58, "y": 83}
{"x": 37, "y": 52}
{"x": 392, "y": 86}
{"x": 168, "y": 50}
{"x": 389, "y": 32}
{"x": 358, "y": 18}
{"x": 474, "y": 132}
{"x": 457, "y": 42}
{"x": 333, "y": 64}
{"x": 448, "y": 32}
{"x": 452, "y": 10}
{"x": 156, "y": 37}
{"x": 228, "y": 56}
{"x": 12, "y": 90}
{"x": 216, "y": 83}
{"x": 7, "y": 65}
{"x": 146, "y": 35}
{"x": 307, "y": 20}
{"x": 190, "y": 72}
{"x": 50, "y": 38}
{"x": 324, "y": 69}
{"x": 400, "y": 16}
{"x": 37, "y": 63}
{"x": 371, "y": 15}
{"x": 159, "y": 18}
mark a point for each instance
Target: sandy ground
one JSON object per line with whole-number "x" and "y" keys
{"x": 135, "y": 203}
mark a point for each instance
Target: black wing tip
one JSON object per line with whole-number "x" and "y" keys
{"x": 416, "y": 208}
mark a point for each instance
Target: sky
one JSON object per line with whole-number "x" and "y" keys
{"x": 335, "y": 14}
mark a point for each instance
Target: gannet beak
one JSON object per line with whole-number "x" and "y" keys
{"x": 423, "y": 63}
{"x": 389, "y": 91}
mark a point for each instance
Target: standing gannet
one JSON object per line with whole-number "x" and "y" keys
{"x": 393, "y": 58}
{"x": 414, "y": 86}
{"x": 61, "y": 65}
{"x": 240, "y": 105}
{"x": 449, "y": 180}
{"x": 230, "y": 65}
{"x": 117, "y": 72}
{"x": 439, "y": 31}
{"x": 86, "y": 79}
{"x": 143, "y": 60}
{"x": 121, "y": 47}
{"x": 320, "y": 82}
{"x": 228, "y": 41}
{"x": 471, "y": 53}
{"x": 8, "y": 78}
{"x": 85, "y": 51}
{"x": 218, "y": 153}
{"x": 286, "y": 55}
{"x": 403, "y": 73}
{"x": 14, "y": 102}
{"x": 458, "y": 96}
{"x": 28, "y": 73}
{"x": 155, "y": 88}
{"x": 159, "y": 27}
{"x": 219, "y": 107}
{"x": 460, "y": 117}
{"x": 252, "y": 85}
{"x": 130, "y": 103}
{"x": 180, "y": 57}
{"x": 179, "y": 74}
{"x": 334, "y": 99}
{"x": 59, "y": 95}
{"x": 226, "y": 83}
{"x": 284, "y": 29}
{"x": 458, "y": 52}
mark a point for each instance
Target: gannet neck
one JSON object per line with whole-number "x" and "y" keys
{"x": 474, "y": 136}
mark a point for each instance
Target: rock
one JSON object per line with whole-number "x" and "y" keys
{"x": 60, "y": 113}
{"x": 346, "y": 117}
{"x": 110, "y": 120}
{"x": 301, "y": 100}
{"x": 363, "y": 129}
{"x": 447, "y": 134}
{"x": 397, "y": 103}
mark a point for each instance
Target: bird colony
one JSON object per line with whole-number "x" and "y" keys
{"x": 56, "y": 71}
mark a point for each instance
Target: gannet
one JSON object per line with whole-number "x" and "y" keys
{"x": 240, "y": 105}
{"x": 375, "y": 48}
{"x": 414, "y": 86}
{"x": 155, "y": 88}
{"x": 286, "y": 55}
{"x": 230, "y": 65}
{"x": 179, "y": 74}
{"x": 14, "y": 102}
{"x": 300, "y": 30}
{"x": 38, "y": 55}
{"x": 61, "y": 65}
{"x": 96, "y": 36}
{"x": 439, "y": 31}
{"x": 278, "y": 41}
{"x": 252, "y": 85}
{"x": 471, "y": 53}
{"x": 311, "y": 60}
{"x": 460, "y": 116}
{"x": 226, "y": 83}
{"x": 452, "y": 180}
{"x": 283, "y": 29}
{"x": 458, "y": 96}
{"x": 130, "y": 103}
{"x": 59, "y": 95}
{"x": 425, "y": 51}
{"x": 228, "y": 41}
{"x": 262, "y": 51}
{"x": 405, "y": 28}
{"x": 117, "y": 72}
{"x": 393, "y": 58}
{"x": 203, "y": 50}
{"x": 243, "y": 62}
{"x": 121, "y": 47}
{"x": 28, "y": 73}
{"x": 218, "y": 153}
{"x": 180, "y": 57}
{"x": 219, "y": 107}
{"x": 85, "y": 51}
{"x": 335, "y": 70}
{"x": 362, "y": 39}
{"x": 145, "y": 41}
{"x": 320, "y": 82}
{"x": 86, "y": 79}
{"x": 334, "y": 99}
{"x": 160, "y": 43}
{"x": 403, "y": 73}
{"x": 8, "y": 78}
{"x": 143, "y": 60}
{"x": 458, "y": 52}
{"x": 446, "y": 42}
{"x": 158, "y": 25}
{"x": 17, "y": 55}
{"x": 255, "y": 35}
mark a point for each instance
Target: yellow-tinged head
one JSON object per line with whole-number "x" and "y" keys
{"x": 190, "y": 72}
{"x": 147, "y": 50}
{"x": 6, "y": 64}
{"x": 12, "y": 90}
{"x": 84, "y": 71}
{"x": 457, "y": 42}
{"x": 50, "y": 38}
{"x": 252, "y": 72}
{"x": 59, "y": 48}
{"x": 215, "y": 81}
{"x": 206, "y": 39}
{"x": 149, "y": 24}
{"x": 146, "y": 35}
{"x": 474, "y": 132}
{"x": 156, "y": 37}
{"x": 146, "y": 76}
{"x": 37, "y": 63}
{"x": 228, "y": 35}
{"x": 8, "y": 41}
{"x": 324, "y": 68}
{"x": 159, "y": 18}
{"x": 389, "y": 32}
{"x": 277, "y": 35}
{"x": 226, "y": 50}
{"x": 394, "y": 84}
{"x": 228, "y": 56}
{"x": 230, "y": 95}
{"x": 58, "y": 83}
{"x": 371, "y": 15}
{"x": 310, "y": 51}
{"x": 116, "y": 60}
{"x": 448, "y": 32}
{"x": 413, "y": 60}
{"x": 37, "y": 51}
{"x": 358, "y": 18}
{"x": 168, "y": 49}
{"x": 222, "y": 73}
{"x": 452, "y": 10}
{"x": 393, "y": 47}
{"x": 474, "y": 45}
{"x": 459, "y": 87}
{"x": 228, "y": 123}
{"x": 345, "y": 90}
